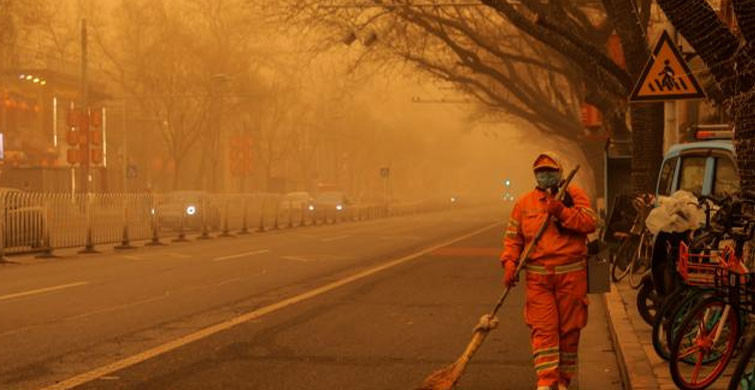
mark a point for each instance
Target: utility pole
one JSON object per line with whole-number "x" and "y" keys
{"x": 125, "y": 148}
{"x": 85, "y": 156}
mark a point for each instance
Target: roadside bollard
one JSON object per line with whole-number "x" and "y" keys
{"x": 155, "y": 241}
{"x": 89, "y": 246}
{"x": 290, "y": 214}
{"x": 125, "y": 241}
{"x": 262, "y": 216}
{"x": 3, "y": 228}
{"x": 244, "y": 227}
{"x": 46, "y": 241}
{"x": 205, "y": 231}
{"x": 182, "y": 226}
{"x": 277, "y": 215}
{"x": 226, "y": 231}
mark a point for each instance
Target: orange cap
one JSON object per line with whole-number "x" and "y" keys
{"x": 546, "y": 160}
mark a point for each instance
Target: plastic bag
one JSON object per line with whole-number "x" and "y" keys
{"x": 675, "y": 214}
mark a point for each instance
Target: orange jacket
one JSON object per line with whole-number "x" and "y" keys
{"x": 557, "y": 246}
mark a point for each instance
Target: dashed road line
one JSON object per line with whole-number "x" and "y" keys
{"x": 297, "y": 258}
{"x": 41, "y": 290}
{"x": 336, "y": 238}
{"x": 209, "y": 331}
{"x": 240, "y": 255}
{"x": 387, "y": 238}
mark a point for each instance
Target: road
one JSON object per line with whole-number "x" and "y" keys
{"x": 370, "y": 305}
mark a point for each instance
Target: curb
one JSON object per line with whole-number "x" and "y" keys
{"x": 635, "y": 370}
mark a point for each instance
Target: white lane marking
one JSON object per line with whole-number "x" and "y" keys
{"x": 336, "y": 238}
{"x": 164, "y": 295}
{"x": 211, "y": 330}
{"x": 41, "y": 290}
{"x": 240, "y": 255}
{"x": 297, "y": 258}
{"x": 386, "y": 238}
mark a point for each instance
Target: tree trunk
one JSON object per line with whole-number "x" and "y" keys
{"x": 647, "y": 145}
{"x": 176, "y": 172}
{"x": 744, "y": 122}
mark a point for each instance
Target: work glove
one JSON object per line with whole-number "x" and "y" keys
{"x": 555, "y": 207}
{"x": 510, "y": 276}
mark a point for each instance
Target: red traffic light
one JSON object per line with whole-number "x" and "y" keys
{"x": 73, "y": 156}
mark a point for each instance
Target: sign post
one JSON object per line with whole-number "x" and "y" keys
{"x": 385, "y": 173}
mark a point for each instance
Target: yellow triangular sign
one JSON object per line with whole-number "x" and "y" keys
{"x": 666, "y": 76}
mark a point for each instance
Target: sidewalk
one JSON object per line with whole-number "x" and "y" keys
{"x": 641, "y": 367}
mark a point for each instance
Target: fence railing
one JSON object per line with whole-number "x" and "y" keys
{"x": 44, "y": 222}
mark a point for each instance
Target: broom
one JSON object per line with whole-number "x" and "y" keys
{"x": 446, "y": 378}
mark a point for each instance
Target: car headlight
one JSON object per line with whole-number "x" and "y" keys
{"x": 191, "y": 210}
{"x": 152, "y": 211}
{"x": 453, "y": 200}
{"x": 311, "y": 208}
{"x": 339, "y": 207}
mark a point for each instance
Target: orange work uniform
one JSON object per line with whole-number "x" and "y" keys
{"x": 556, "y": 296}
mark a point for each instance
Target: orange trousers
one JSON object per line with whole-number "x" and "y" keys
{"x": 556, "y": 311}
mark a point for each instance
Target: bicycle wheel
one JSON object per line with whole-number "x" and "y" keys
{"x": 662, "y": 320}
{"x": 640, "y": 265}
{"x": 743, "y": 377}
{"x": 648, "y": 301}
{"x": 680, "y": 312}
{"x": 710, "y": 330}
{"x": 623, "y": 258}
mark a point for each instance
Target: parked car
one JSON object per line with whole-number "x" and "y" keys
{"x": 705, "y": 167}
{"x": 194, "y": 206}
{"x": 24, "y": 220}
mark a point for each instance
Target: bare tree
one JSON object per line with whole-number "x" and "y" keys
{"x": 155, "y": 62}
{"x": 537, "y": 61}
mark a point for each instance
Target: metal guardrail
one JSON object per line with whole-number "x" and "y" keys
{"x": 44, "y": 222}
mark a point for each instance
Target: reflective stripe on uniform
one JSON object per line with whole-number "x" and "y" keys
{"x": 568, "y": 368}
{"x": 511, "y": 234}
{"x": 513, "y": 223}
{"x": 568, "y": 362}
{"x": 546, "y": 366}
{"x": 569, "y": 355}
{"x": 542, "y": 352}
{"x": 557, "y": 270}
{"x": 589, "y": 212}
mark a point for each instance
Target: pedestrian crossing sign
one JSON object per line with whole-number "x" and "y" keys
{"x": 666, "y": 76}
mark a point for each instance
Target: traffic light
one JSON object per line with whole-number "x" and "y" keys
{"x": 85, "y": 136}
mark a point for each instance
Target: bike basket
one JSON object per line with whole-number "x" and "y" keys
{"x": 738, "y": 289}
{"x": 697, "y": 268}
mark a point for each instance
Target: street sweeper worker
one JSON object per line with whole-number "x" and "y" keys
{"x": 556, "y": 276}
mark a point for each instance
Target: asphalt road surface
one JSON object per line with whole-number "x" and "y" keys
{"x": 370, "y": 305}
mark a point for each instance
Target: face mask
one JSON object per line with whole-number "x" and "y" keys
{"x": 548, "y": 179}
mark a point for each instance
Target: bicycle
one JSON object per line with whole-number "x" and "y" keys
{"x": 707, "y": 337}
{"x": 632, "y": 257}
